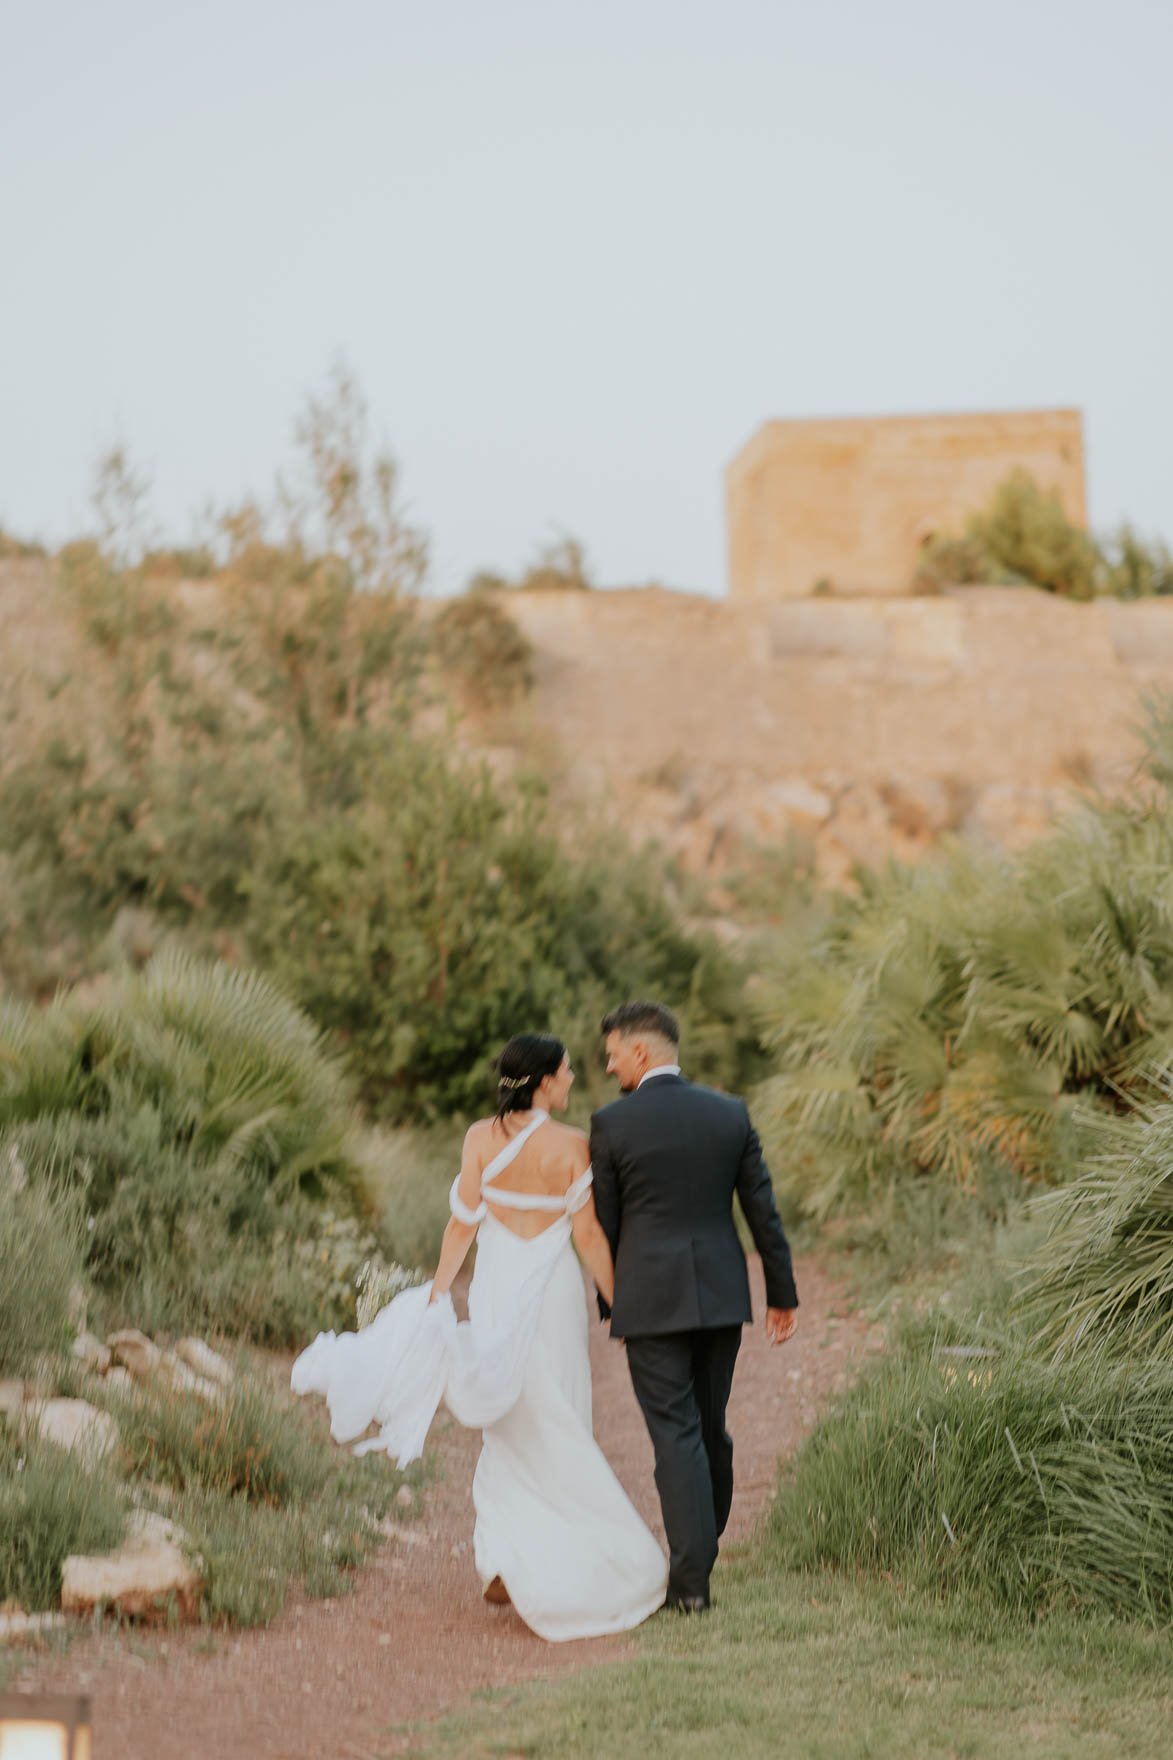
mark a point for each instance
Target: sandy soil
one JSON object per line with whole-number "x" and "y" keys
{"x": 338, "y": 1679}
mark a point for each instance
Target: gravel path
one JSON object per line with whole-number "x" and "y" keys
{"x": 337, "y": 1679}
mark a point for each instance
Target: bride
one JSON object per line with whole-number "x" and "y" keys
{"x": 555, "y": 1532}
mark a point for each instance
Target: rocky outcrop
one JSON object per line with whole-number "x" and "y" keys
{"x": 204, "y": 1361}
{"x": 145, "y": 1361}
{"x": 840, "y": 730}
{"x": 150, "y": 1574}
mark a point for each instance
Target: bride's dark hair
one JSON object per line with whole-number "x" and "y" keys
{"x": 521, "y": 1067}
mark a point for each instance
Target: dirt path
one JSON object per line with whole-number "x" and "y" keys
{"x": 331, "y": 1680}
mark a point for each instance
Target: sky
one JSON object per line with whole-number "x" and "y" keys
{"x": 575, "y": 255}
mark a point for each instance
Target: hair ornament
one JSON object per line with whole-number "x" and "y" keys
{"x": 516, "y": 1081}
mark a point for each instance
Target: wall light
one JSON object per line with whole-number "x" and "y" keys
{"x": 35, "y": 1726}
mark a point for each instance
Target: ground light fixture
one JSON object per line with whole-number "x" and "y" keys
{"x": 36, "y": 1726}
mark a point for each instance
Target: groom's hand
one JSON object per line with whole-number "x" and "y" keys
{"x": 780, "y": 1324}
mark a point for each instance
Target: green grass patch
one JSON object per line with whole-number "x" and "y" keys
{"x": 833, "y": 1668}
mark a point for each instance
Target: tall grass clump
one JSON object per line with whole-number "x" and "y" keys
{"x": 42, "y": 1252}
{"x": 53, "y": 1503}
{"x": 1029, "y": 1483}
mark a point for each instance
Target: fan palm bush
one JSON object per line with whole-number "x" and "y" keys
{"x": 197, "y": 1116}
{"x": 1102, "y": 1278}
{"x": 948, "y": 1023}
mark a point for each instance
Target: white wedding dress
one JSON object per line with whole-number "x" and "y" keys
{"x": 552, "y": 1520}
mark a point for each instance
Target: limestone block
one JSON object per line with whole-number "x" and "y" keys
{"x": 186, "y": 1380}
{"x": 1141, "y": 631}
{"x": 803, "y": 805}
{"x": 148, "y": 1570}
{"x": 76, "y": 1425}
{"x": 205, "y": 1361}
{"x": 135, "y": 1352}
{"x": 1010, "y": 817}
{"x": 17, "y": 1625}
{"x": 91, "y": 1351}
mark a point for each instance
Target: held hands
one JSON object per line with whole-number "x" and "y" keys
{"x": 780, "y": 1324}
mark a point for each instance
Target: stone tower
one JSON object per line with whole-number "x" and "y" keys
{"x": 848, "y": 503}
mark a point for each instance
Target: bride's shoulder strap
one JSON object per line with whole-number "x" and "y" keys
{"x": 512, "y": 1149}
{"x": 461, "y": 1210}
{"x": 578, "y": 1192}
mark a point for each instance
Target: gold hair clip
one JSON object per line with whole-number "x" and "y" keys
{"x": 514, "y": 1081}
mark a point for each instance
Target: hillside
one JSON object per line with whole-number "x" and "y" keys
{"x": 857, "y": 729}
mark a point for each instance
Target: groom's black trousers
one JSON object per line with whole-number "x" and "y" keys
{"x": 682, "y": 1382}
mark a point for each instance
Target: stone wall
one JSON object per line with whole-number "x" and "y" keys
{"x": 863, "y": 728}
{"x": 849, "y": 503}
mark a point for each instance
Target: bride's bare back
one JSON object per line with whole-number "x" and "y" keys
{"x": 546, "y": 1166}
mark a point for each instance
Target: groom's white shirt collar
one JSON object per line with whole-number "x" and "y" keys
{"x": 661, "y": 1069}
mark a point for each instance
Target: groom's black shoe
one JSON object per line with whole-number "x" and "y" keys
{"x": 687, "y": 1603}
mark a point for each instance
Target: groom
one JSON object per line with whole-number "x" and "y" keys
{"x": 667, "y": 1159}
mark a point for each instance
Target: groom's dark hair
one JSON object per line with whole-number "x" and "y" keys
{"x": 642, "y": 1017}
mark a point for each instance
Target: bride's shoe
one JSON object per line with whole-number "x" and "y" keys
{"x": 497, "y": 1593}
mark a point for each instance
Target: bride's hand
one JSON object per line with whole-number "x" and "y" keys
{"x": 780, "y": 1324}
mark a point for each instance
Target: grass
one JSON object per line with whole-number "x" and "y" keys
{"x": 52, "y": 1504}
{"x": 42, "y": 1236}
{"x": 831, "y": 1668}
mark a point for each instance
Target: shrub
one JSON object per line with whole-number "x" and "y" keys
{"x": 481, "y": 646}
{"x": 14, "y": 549}
{"x": 1136, "y": 570}
{"x": 247, "y": 1444}
{"x": 1023, "y": 536}
{"x": 1027, "y": 532}
{"x": 560, "y": 567}
{"x": 52, "y": 1503}
{"x": 948, "y": 561}
{"x": 264, "y": 1495}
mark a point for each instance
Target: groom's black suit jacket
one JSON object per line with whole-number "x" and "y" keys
{"x": 667, "y": 1160}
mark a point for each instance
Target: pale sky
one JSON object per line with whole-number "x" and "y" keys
{"x": 574, "y": 254}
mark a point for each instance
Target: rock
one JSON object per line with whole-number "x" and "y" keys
{"x": 187, "y": 1381}
{"x": 405, "y": 1497}
{"x": 11, "y": 1396}
{"x": 18, "y": 1624}
{"x": 205, "y": 1361}
{"x": 149, "y": 1570}
{"x": 136, "y": 1352}
{"x": 76, "y": 1425}
{"x": 802, "y": 804}
{"x": 91, "y": 1351}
